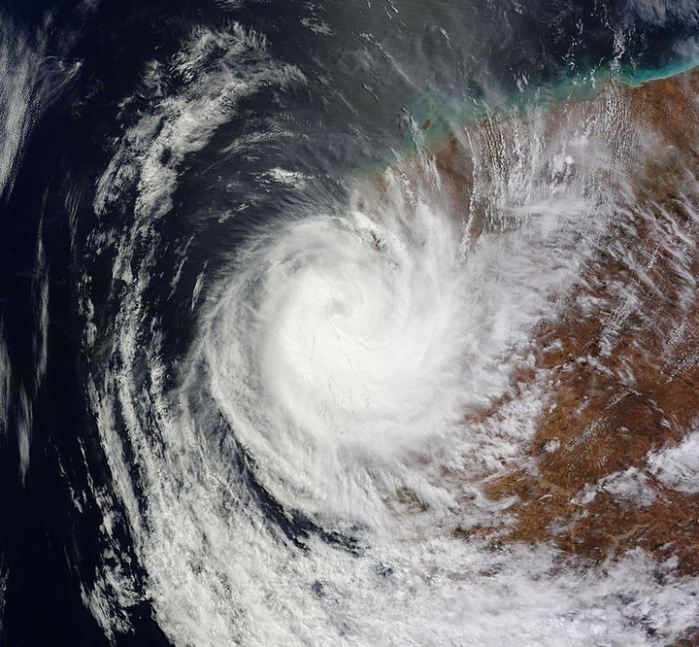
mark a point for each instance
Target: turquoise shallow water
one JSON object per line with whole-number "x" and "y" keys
{"x": 445, "y": 113}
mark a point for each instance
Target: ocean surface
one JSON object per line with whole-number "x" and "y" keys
{"x": 248, "y": 335}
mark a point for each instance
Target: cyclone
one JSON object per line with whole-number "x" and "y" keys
{"x": 344, "y": 402}
{"x": 343, "y": 350}
{"x": 349, "y": 324}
